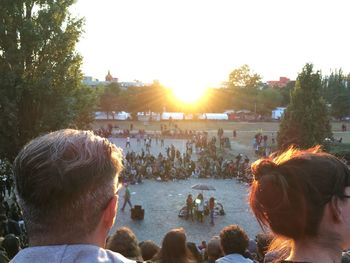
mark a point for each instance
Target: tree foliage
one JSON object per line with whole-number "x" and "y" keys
{"x": 306, "y": 120}
{"x": 243, "y": 77}
{"x": 336, "y": 91}
{"x": 40, "y": 77}
{"x": 110, "y": 101}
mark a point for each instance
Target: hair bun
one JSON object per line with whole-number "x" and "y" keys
{"x": 263, "y": 167}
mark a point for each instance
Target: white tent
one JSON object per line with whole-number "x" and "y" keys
{"x": 122, "y": 116}
{"x": 277, "y": 113}
{"x": 213, "y": 116}
{"x": 172, "y": 115}
{"x": 146, "y": 116}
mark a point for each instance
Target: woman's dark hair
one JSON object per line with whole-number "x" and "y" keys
{"x": 125, "y": 242}
{"x": 195, "y": 252}
{"x": 11, "y": 244}
{"x": 290, "y": 191}
{"x": 148, "y": 249}
{"x": 174, "y": 249}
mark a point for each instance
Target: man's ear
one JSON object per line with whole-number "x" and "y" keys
{"x": 110, "y": 212}
{"x": 335, "y": 209}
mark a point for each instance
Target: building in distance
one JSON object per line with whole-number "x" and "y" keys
{"x": 281, "y": 83}
{"x": 93, "y": 82}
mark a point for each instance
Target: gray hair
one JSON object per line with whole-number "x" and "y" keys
{"x": 64, "y": 180}
{"x": 214, "y": 248}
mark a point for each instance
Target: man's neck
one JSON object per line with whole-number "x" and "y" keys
{"x": 67, "y": 240}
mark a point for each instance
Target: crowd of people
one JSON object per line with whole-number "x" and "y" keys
{"x": 230, "y": 245}
{"x": 175, "y": 165}
{"x": 66, "y": 183}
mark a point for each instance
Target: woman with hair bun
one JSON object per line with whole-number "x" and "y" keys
{"x": 302, "y": 196}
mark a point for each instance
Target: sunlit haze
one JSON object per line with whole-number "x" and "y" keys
{"x": 194, "y": 44}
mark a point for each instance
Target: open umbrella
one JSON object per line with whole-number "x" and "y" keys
{"x": 203, "y": 187}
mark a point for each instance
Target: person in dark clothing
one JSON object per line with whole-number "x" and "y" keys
{"x": 127, "y": 197}
{"x": 189, "y": 206}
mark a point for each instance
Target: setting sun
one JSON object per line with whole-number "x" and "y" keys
{"x": 188, "y": 94}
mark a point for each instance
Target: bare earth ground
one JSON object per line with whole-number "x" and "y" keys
{"x": 163, "y": 200}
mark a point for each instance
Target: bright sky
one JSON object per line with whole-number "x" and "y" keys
{"x": 199, "y": 42}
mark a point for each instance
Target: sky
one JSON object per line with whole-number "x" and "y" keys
{"x": 197, "y": 43}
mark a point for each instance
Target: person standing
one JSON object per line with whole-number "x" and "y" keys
{"x": 189, "y": 205}
{"x": 127, "y": 145}
{"x": 211, "y": 209}
{"x": 200, "y": 207}
{"x": 127, "y": 197}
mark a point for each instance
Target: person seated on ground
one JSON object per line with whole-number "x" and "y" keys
{"x": 3, "y": 255}
{"x": 67, "y": 186}
{"x": 203, "y": 249}
{"x": 303, "y": 197}
{"x": 148, "y": 249}
{"x": 195, "y": 252}
{"x": 263, "y": 242}
{"x": 234, "y": 243}
{"x": 11, "y": 244}
{"x": 174, "y": 249}
{"x": 125, "y": 242}
{"x": 214, "y": 250}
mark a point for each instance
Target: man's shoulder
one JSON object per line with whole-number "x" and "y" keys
{"x": 233, "y": 258}
{"x": 69, "y": 253}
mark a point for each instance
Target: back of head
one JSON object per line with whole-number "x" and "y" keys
{"x": 11, "y": 244}
{"x": 290, "y": 191}
{"x": 214, "y": 248}
{"x": 263, "y": 242}
{"x": 125, "y": 242}
{"x": 148, "y": 249}
{"x": 64, "y": 180}
{"x": 194, "y": 252}
{"x": 174, "y": 247}
{"x": 233, "y": 240}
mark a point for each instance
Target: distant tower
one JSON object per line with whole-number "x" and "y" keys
{"x": 109, "y": 77}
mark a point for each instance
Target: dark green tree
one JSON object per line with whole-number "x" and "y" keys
{"x": 40, "y": 77}
{"x": 110, "y": 100}
{"x": 267, "y": 100}
{"x": 336, "y": 91}
{"x": 305, "y": 122}
{"x": 341, "y": 105}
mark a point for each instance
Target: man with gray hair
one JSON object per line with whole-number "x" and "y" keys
{"x": 214, "y": 251}
{"x": 66, "y": 184}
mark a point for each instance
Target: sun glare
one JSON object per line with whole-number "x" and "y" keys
{"x": 188, "y": 95}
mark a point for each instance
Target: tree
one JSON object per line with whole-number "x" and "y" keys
{"x": 267, "y": 100}
{"x": 243, "y": 77}
{"x": 40, "y": 77}
{"x": 341, "y": 105}
{"x": 244, "y": 85}
{"x": 336, "y": 91}
{"x": 305, "y": 122}
{"x": 110, "y": 101}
